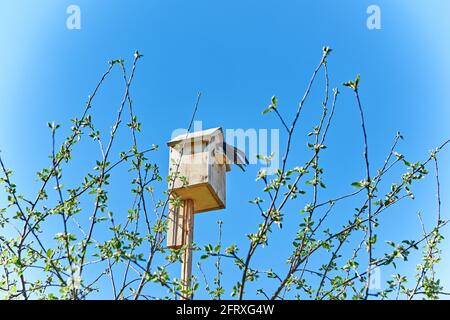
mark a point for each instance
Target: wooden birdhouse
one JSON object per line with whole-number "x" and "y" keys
{"x": 197, "y": 166}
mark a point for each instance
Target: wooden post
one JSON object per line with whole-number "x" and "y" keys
{"x": 175, "y": 227}
{"x": 188, "y": 237}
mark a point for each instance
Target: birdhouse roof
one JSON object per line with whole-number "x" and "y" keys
{"x": 200, "y": 135}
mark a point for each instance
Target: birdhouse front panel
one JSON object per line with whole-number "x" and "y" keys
{"x": 188, "y": 165}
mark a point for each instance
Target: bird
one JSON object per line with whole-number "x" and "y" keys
{"x": 234, "y": 156}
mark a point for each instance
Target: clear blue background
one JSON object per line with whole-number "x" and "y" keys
{"x": 239, "y": 54}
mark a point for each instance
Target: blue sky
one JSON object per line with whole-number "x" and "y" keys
{"x": 238, "y": 54}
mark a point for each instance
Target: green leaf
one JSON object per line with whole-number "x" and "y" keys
{"x": 274, "y": 102}
{"x": 353, "y": 84}
{"x": 358, "y": 184}
{"x": 267, "y": 110}
{"x": 272, "y": 106}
